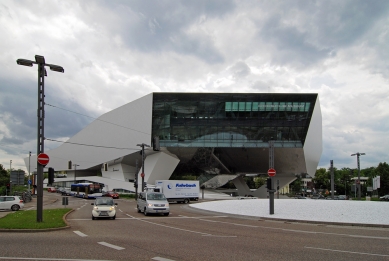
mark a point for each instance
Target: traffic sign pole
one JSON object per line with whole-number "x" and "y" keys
{"x": 271, "y": 172}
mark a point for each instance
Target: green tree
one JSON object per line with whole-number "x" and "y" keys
{"x": 259, "y": 181}
{"x": 4, "y": 179}
{"x": 382, "y": 170}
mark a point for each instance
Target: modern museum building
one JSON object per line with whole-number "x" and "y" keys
{"x": 219, "y": 137}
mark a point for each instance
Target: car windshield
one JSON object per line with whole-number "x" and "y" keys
{"x": 104, "y": 201}
{"x": 155, "y": 196}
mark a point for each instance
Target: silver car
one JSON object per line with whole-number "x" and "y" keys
{"x": 152, "y": 202}
{"x": 13, "y": 203}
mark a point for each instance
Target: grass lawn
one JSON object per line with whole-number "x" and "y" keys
{"x": 26, "y": 219}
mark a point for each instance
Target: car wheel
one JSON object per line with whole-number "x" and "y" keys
{"x": 145, "y": 212}
{"x": 15, "y": 207}
{"x": 114, "y": 217}
{"x": 138, "y": 209}
{"x": 93, "y": 218}
{"x": 166, "y": 214}
{"x": 186, "y": 201}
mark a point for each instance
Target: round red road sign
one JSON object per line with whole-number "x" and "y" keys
{"x": 142, "y": 175}
{"x": 43, "y": 159}
{"x": 271, "y": 172}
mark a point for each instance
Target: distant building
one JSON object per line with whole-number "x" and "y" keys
{"x": 222, "y": 136}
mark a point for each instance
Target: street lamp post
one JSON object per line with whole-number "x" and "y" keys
{"x": 143, "y": 164}
{"x": 359, "y": 173}
{"x": 10, "y": 170}
{"x": 29, "y": 178}
{"x": 40, "y": 61}
{"x": 75, "y": 172}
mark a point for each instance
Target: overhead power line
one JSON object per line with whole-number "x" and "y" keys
{"x": 97, "y": 119}
{"x": 89, "y": 145}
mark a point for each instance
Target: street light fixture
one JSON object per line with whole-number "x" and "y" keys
{"x": 359, "y": 173}
{"x": 40, "y": 61}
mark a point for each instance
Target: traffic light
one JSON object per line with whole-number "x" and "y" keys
{"x": 268, "y": 183}
{"x": 69, "y": 164}
{"x": 156, "y": 143}
{"x": 51, "y": 176}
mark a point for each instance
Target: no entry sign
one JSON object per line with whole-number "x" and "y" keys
{"x": 271, "y": 172}
{"x": 43, "y": 159}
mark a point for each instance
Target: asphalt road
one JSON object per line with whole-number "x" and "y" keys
{"x": 190, "y": 234}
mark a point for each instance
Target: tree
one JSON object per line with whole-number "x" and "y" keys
{"x": 382, "y": 170}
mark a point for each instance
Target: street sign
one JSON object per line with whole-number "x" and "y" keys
{"x": 271, "y": 172}
{"x": 43, "y": 159}
{"x": 17, "y": 177}
{"x": 29, "y": 181}
{"x": 142, "y": 175}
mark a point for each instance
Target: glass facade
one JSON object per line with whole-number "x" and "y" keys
{"x": 231, "y": 119}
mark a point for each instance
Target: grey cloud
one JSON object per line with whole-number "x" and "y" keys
{"x": 319, "y": 29}
{"x": 161, "y": 26}
{"x": 240, "y": 70}
{"x": 20, "y": 103}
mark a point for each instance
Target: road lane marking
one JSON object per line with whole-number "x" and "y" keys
{"x": 186, "y": 230}
{"x": 111, "y": 246}
{"x": 343, "y": 251}
{"x": 80, "y": 233}
{"x": 49, "y": 259}
{"x": 157, "y": 258}
{"x": 296, "y": 231}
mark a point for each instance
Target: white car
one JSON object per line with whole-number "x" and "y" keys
{"x": 104, "y": 208}
{"x": 13, "y": 203}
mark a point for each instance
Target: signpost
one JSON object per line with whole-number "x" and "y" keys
{"x": 43, "y": 159}
{"x": 271, "y": 172}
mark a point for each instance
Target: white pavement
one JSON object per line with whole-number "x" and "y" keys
{"x": 337, "y": 211}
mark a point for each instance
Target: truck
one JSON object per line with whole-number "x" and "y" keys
{"x": 180, "y": 191}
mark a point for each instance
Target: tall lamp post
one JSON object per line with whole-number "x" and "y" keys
{"x": 40, "y": 61}
{"x": 143, "y": 164}
{"x": 10, "y": 183}
{"x": 359, "y": 173}
{"x": 29, "y": 177}
{"x": 75, "y": 172}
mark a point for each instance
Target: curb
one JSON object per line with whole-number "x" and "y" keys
{"x": 291, "y": 220}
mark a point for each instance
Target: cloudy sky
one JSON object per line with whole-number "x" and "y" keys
{"x": 114, "y": 52}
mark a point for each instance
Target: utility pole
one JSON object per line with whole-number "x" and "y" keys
{"x": 358, "y": 154}
{"x": 136, "y": 180}
{"x": 332, "y": 179}
{"x": 143, "y": 164}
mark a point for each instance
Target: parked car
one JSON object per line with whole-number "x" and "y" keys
{"x": 384, "y": 198}
{"x": 152, "y": 202}
{"x": 13, "y": 203}
{"x": 66, "y": 192}
{"x": 52, "y": 190}
{"x": 318, "y": 197}
{"x": 60, "y": 189}
{"x": 104, "y": 208}
{"x": 342, "y": 197}
{"x": 111, "y": 194}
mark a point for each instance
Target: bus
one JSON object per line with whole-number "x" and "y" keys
{"x": 86, "y": 190}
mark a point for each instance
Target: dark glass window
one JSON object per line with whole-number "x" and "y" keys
{"x": 230, "y": 119}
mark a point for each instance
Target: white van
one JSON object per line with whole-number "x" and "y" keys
{"x": 152, "y": 202}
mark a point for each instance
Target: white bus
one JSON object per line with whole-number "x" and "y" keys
{"x": 86, "y": 190}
